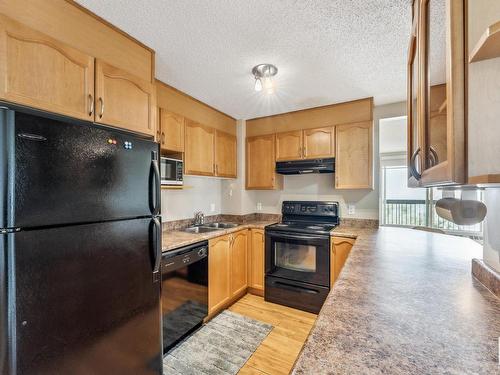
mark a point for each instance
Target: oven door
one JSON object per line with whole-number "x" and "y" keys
{"x": 299, "y": 257}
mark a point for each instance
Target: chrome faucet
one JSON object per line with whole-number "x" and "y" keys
{"x": 199, "y": 218}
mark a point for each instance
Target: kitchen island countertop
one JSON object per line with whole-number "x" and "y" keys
{"x": 405, "y": 303}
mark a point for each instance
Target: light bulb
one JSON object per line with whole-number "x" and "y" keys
{"x": 258, "y": 85}
{"x": 268, "y": 82}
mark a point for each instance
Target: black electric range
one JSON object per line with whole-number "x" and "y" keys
{"x": 297, "y": 254}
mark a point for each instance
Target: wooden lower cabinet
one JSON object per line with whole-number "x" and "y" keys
{"x": 219, "y": 273}
{"x": 340, "y": 249}
{"x": 256, "y": 261}
{"x": 239, "y": 269}
{"x": 227, "y": 270}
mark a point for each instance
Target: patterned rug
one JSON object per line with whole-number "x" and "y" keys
{"x": 222, "y": 346}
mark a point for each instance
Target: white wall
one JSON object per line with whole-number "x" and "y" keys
{"x": 483, "y": 95}
{"x": 483, "y": 122}
{"x": 199, "y": 194}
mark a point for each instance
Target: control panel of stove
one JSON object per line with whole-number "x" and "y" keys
{"x": 310, "y": 208}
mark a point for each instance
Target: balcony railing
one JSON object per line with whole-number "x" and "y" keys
{"x": 413, "y": 213}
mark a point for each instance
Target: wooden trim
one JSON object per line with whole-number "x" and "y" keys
{"x": 453, "y": 170}
{"x": 110, "y": 25}
{"x": 257, "y": 292}
{"x": 485, "y": 179}
{"x": 193, "y": 98}
{"x": 312, "y": 108}
{"x": 488, "y": 45}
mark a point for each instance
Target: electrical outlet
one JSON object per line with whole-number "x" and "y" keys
{"x": 230, "y": 192}
{"x": 212, "y": 207}
{"x": 351, "y": 209}
{"x": 259, "y": 206}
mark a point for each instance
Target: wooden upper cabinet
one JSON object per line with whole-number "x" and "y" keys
{"x": 124, "y": 100}
{"x": 261, "y": 163}
{"x": 225, "y": 154}
{"x": 354, "y": 159}
{"x": 199, "y": 156}
{"x": 289, "y": 145}
{"x": 239, "y": 268}
{"x": 256, "y": 259}
{"x": 171, "y": 131}
{"x": 437, "y": 127}
{"x": 319, "y": 143}
{"x": 41, "y": 72}
{"x": 219, "y": 273}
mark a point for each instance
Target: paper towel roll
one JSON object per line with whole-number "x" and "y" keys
{"x": 461, "y": 212}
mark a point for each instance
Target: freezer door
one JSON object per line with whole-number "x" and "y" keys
{"x": 82, "y": 300}
{"x": 61, "y": 172}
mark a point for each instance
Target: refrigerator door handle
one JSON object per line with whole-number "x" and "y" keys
{"x": 155, "y": 186}
{"x": 157, "y": 250}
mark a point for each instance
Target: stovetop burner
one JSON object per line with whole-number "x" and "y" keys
{"x": 308, "y": 217}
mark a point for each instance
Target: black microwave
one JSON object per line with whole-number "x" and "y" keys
{"x": 171, "y": 171}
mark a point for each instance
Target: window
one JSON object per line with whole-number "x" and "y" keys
{"x": 412, "y": 207}
{"x": 402, "y": 206}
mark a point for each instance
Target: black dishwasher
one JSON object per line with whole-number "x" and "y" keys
{"x": 184, "y": 293}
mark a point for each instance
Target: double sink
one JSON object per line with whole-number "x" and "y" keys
{"x": 210, "y": 227}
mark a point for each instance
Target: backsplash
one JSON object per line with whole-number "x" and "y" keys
{"x": 242, "y": 219}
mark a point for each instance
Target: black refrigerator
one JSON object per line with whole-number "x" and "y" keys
{"x": 80, "y": 248}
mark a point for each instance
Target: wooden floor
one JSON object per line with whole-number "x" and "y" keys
{"x": 277, "y": 353}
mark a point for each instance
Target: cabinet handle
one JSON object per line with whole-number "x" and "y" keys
{"x": 91, "y": 101}
{"x": 433, "y": 156}
{"x": 101, "y": 102}
{"x": 162, "y": 138}
{"x": 413, "y": 169}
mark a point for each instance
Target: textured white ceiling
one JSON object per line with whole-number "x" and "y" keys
{"x": 327, "y": 51}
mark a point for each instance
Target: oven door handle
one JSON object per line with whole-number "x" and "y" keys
{"x": 305, "y": 237}
{"x": 295, "y": 288}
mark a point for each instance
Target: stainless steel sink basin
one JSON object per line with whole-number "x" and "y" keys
{"x": 199, "y": 229}
{"x": 220, "y": 225}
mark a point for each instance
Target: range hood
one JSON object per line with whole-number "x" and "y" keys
{"x": 306, "y": 166}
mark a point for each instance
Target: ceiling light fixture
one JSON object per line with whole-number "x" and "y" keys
{"x": 263, "y": 74}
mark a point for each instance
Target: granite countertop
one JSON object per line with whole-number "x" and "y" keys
{"x": 172, "y": 239}
{"x": 405, "y": 303}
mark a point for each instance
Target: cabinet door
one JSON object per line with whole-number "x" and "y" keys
{"x": 123, "y": 100}
{"x": 319, "y": 143}
{"x": 219, "y": 273}
{"x": 289, "y": 145}
{"x": 353, "y": 163}
{"x": 225, "y": 154}
{"x": 199, "y": 149}
{"x": 38, "y": 71}
{"x": 443, "y": 92}
{"x": 239, "y": 256}
{"x": 171, "y": 131}
{"x": 261, "y": 163}
{"x": 341, "y": 247}
{"x": 256, "y": 259}
{"x": 412, "y": 104}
